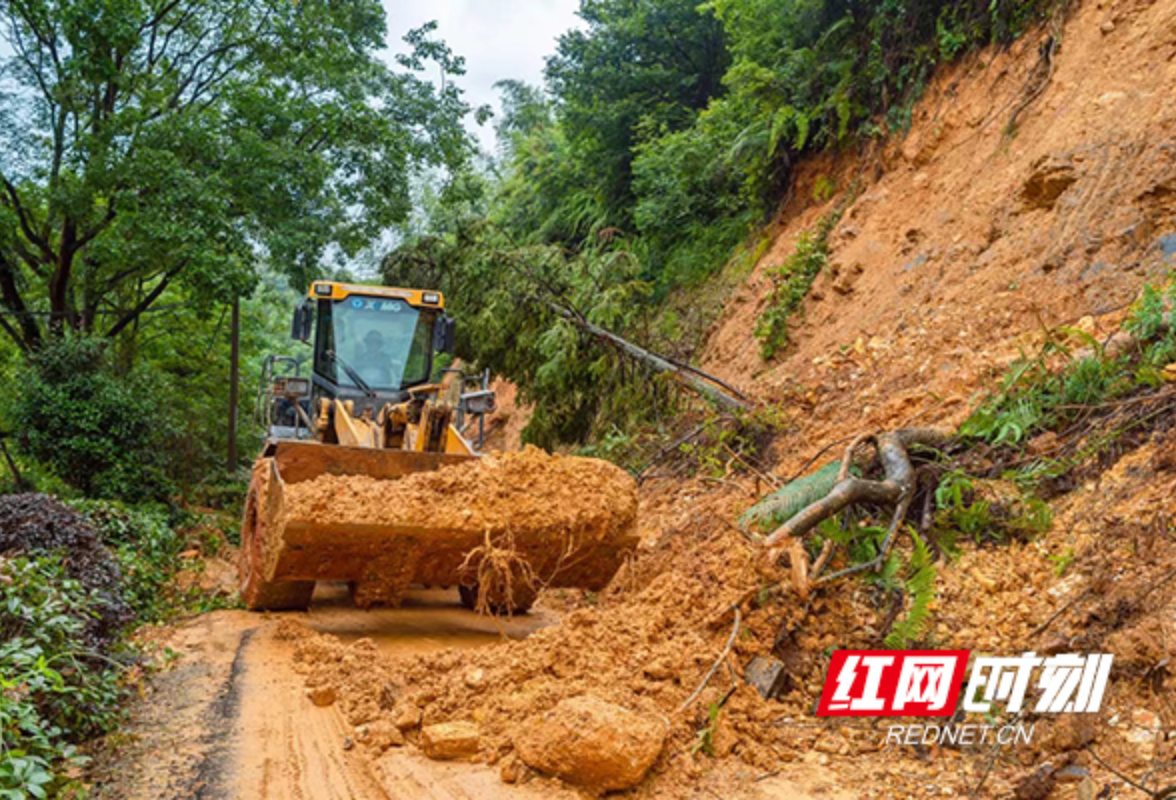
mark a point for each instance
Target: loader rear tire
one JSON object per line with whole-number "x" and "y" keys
{"x": 523, "y": 600}
{"x": 258, "y": 593}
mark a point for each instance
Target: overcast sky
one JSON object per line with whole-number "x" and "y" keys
{"x": 500, "y": 39}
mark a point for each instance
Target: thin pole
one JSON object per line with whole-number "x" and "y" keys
{"x": 234, "y": 380}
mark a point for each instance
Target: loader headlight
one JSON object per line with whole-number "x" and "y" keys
{"x": 323, "y": 289}
{"x": 432, "y": 298}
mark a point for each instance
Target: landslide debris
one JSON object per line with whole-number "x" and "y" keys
{"x": 518, "y": 520}
{"x": 525, "y": 491}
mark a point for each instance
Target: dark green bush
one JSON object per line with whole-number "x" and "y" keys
{"x": 101, "y": 432}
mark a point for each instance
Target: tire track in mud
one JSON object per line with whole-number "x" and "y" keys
{"x": 220, "y": 737}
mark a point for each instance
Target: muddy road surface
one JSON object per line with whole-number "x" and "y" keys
{"x": 230, "y": 718}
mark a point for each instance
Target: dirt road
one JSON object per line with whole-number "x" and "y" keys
{"x": 230, "y": 717}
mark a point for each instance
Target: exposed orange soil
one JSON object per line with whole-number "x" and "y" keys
{"x": 572, "y": 518}
{"x": 964, "y": 241}
{"x": 964, "y": 244}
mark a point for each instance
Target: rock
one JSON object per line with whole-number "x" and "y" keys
{"x": 448, "y": 741}
{"x": 322, "y": 696}
{"x": 474, "y": 678}
{"x": 591, "y": 743}
{"x": 1050, "y": 177}
{"x": 1037, "y": 785}
{"x": 661, "y": 670}
{"x": 832, "y": 743}
{"x": 768, "y": 676}
{"x": 407, "y": 717}
{"x": 380, "y": 735}
{"x": 1085, "y": 789}
{"x": 1072, "y": 774}
{"x": 1142, "y": 718}
{"x": 389, "y": 693}
{"x": 509, "y": 769}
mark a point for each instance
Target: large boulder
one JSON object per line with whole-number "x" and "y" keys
{"x": 588, "y": 742}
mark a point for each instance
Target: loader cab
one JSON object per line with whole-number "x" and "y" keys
{"x": 372, "y": 344}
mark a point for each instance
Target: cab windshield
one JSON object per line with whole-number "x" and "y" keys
{"x": 386, "y": 341}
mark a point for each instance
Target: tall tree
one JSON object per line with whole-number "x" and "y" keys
{"x": 640, "y": 67}
{"x": 155, "y": 144}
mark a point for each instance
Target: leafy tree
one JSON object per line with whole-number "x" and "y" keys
{"x": 102, "y": 432}
{"x": 505, "y": 295}
{"x": 151, "y": 145}
{"x": 640, "y": 67}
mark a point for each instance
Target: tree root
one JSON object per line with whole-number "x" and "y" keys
{"x": 897, "y": 489}
{"x": 505, "y": 580}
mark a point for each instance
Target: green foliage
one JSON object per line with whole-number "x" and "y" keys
{"x": 506, "y": 296}
{"x": 53, "y": 692}
{"x": 920, "y": 585}
{"x": 155, "y": 147}
{"x": 1035, "y": 397}
{"x": 1062, "y": 561}
{"x": 637, "y": 69}
{"x": 786, "y": 502}
{"x": 914, "y": 575}
{"x": 732, "y": 444}
{"x": 791, "y": 282}
{"x": 147, "y": 548}
{"x": 705, "y": 738}
{"x": 99, "y": 431}
{"x": 986, "y": 511}
{"x": 56, "y": 691}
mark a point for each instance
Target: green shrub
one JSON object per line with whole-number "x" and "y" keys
{"x": 54, "y": 692}
{"x": 1034, "y": 397}
{"x": 147, "y": 548}
{"x": 101, "y": 432}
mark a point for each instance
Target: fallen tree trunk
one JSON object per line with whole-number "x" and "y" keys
{"x": 897, "y": 489}
{"x": 694, "y": 379}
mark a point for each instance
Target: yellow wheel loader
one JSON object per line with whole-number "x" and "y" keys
{"x": 365, "y": 476}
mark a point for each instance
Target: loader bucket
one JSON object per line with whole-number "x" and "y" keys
{"x": 383, "y": 520}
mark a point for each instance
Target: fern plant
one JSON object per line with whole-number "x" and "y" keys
{"x": 920, "y": 585}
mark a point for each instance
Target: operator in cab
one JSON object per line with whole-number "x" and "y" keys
{"x": 373, "y": 364}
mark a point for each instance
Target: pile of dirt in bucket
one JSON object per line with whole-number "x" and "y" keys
{"x": 523, "y": 491}
{"x": 563, "y": 521}
{"x": 37, "y": 524}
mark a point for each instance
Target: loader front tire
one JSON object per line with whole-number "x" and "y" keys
{"x": 258, "y": 593}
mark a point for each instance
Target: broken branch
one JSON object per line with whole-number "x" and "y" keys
{"x": 715, "y": 668}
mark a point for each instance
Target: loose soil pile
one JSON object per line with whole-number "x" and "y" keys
{"x": 648, "y": 640}
{"x": 519, "y": 492}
